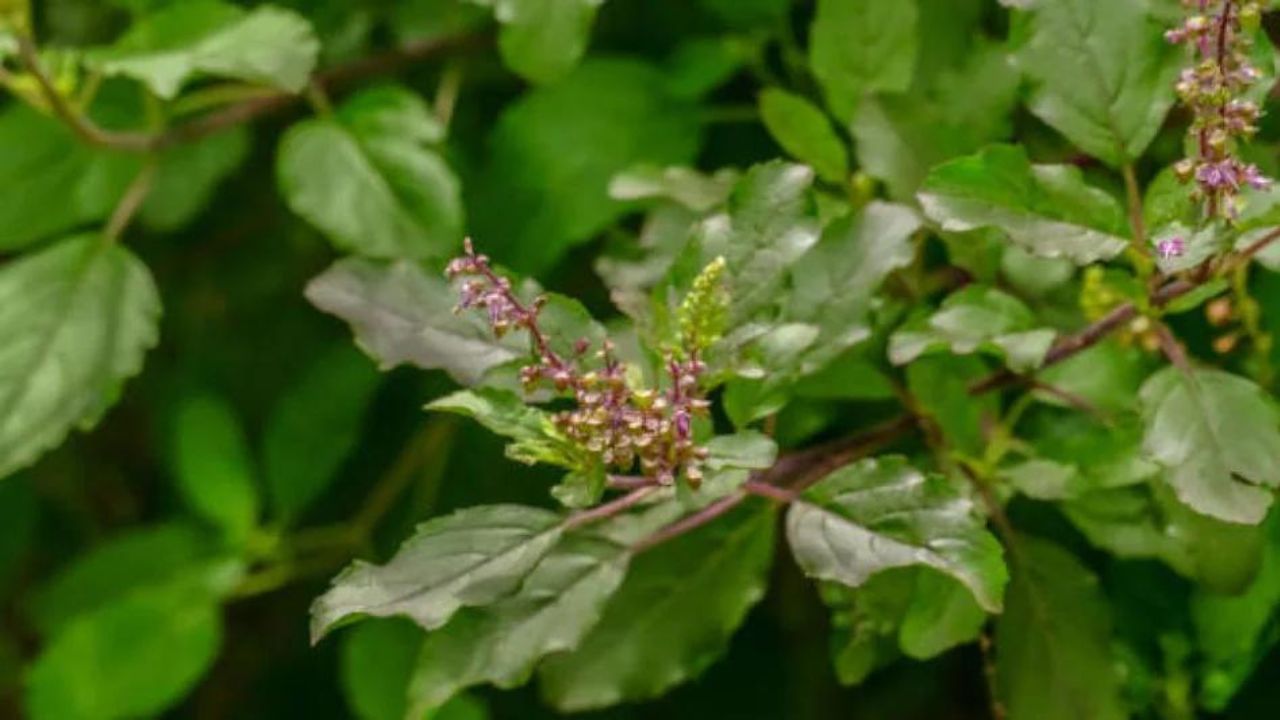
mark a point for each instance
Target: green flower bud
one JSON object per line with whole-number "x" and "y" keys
{"x": 704, "y": 313}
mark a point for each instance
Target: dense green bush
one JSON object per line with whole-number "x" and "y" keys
{"x": 827, "y": 358}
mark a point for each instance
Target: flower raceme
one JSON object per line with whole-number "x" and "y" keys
{"x": 620, "y": 424}
{"x": 1213, "y": 88}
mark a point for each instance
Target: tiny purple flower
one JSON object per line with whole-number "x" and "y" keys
{"x": 1171, "y": 248}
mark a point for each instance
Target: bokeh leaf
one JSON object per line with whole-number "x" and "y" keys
{"x": 554, "y": 150}
{"x": 369, "y": 181}
{"x": 79, "y": 316}
{"x": 862, "y": 46}
{"x": 214, "y": 466}
{"x": 1103, "y": 74}
{"x": 267, "y": 45}
{"x": 313, "y": 428}
{"x": 804, "y": 132}
{"x": 136, "y": 656}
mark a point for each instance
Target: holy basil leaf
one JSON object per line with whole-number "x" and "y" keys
{"x": 133, "y": 657}
{"x": 1053, "y": 656}
{"x": 862, "y": 46}
{"x": 882, "y": 513}
{"x": 557, "y": 605}
{"x": 554, "y": 150}
{"x": 188, "y": 175}
{"x": 402, "y": 314}
{"x": 943, "y": 614}
{"x": 835, "y": 282}
{"x": 1103, "y": 74}
{"x": 543, "y": 40}
{"x": 670, "y": 619}
{"x": 804, "y": 132}
{"x": 536, "y": 438}
{"x": 1146, "y": 521}
{"x": 57, "y": 183}
{"x": 1049, "y": 210}
{"x": 214, "y": 466}
{"x": 1235, "y": 627}
{"x": 769, "y": 224}
{"x": 376, "y": 663}
{"x": 1218, "y": 437}
{"x": 900, "y": 137}
{"x": 368, "y": 180}
{"x": 976, "y": 318}
{"x": 941, "y": 385}
{"x": 470, "y": 558}
{"x": 79, "y": 316}
{"x": 136, "y": 560}
{"x": 314, "y": 426}
{"x": 266, "y": 45}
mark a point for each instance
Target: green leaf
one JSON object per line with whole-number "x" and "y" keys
{"x": 402, "y": 314}
{"x": 367, "y": 179}
{"x": 1107, "y": 375}
{"x": 941, "y": 385}
{"x": 554, "y": 150}
{"x": 1053, "y": 656}
{"x": 943, "y": 614}
{"x": 542, "y": 40}
{"x": 57, "y": 183}
{"x": 1236, "y": 629}
{"x": 862, "y": 46}
{"x": 472, "y": 557}
{"x": 1049, "y": 210}
{"x": 556, "y": 606}
{"x": 80, "y": 315}
{"x": 213, "y": 465}
{"x": 188, "y": 175}
{"x": 972, "y": 319}
{"x": 314, "y": 426}
{"x": 1218, "y": 437}
{"x": 834, "y": 284}
{"x": 745, "y": 450}
{"x": 426, "y": 20}
{"x": 900, "y": 137}
{"x": 536, "y": 438}
{"x": 1146, "y": 521}
{"x": 672, "y": 617}
{"x": 1103, "y": 74}
{"x": 804, "y": 132}
{"x": 133, "y": 657}
{"x": 136, "y": 560}
{"x": 768, "y": 226}
{"x": 267, "y": 45}
{"x": 376, "y": 662}
{"x": 882, "y": 513}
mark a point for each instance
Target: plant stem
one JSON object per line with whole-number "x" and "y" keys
{"x": 79, "y": 123}
{"x": 134, "y": 196}
{"x": 237, "y": 114}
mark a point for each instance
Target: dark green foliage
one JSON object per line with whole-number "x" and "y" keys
{"x": 638, "y": 358}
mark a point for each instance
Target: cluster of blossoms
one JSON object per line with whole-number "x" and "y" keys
{"x": 1218, "y": 32}
{"x": 618, "y": 423}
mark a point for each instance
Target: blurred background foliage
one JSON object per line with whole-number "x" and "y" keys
{"x": 163, "y": 563}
